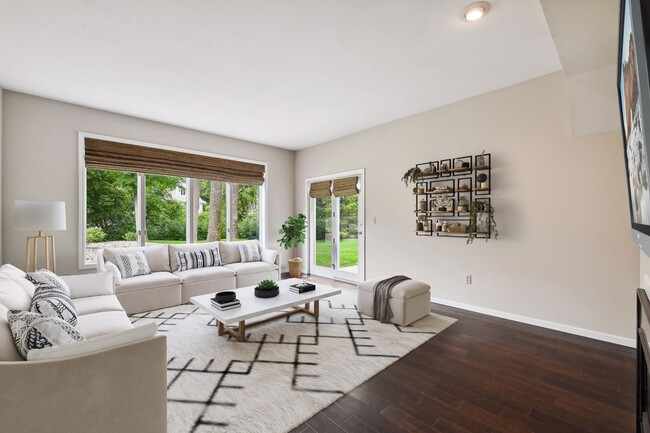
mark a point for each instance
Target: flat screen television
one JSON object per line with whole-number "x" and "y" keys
{"x": 634, "y": 103}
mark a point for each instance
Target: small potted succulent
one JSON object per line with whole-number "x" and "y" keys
{"x": 267, "y": 289}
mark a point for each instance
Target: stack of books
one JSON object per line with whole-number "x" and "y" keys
{"x": 225, "y": 305}
{"x": 302, "y": 287}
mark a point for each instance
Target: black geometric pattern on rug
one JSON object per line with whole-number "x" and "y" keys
{"x": 304, "y": 347}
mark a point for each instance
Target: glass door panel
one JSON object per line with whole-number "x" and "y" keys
{"x": 322, "y": 236}
{"x": 348, "y": 236}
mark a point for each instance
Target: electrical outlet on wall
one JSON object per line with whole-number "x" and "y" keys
{"x": 468, "y": 279}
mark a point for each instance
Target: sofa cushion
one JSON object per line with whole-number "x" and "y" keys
{"x": 12, "y": 270}
{"x": 53, "y": 301}
{"x": 17, "y": 275}
{"x": 249, "y": 253}
{"x": 12, "y": 295}
{"x": 205, "y": 274}
{"x": 174, "y": 248}
{"x": 92, "y": 345}
{"x": 84, "y": 285}
{"x": 48, "y": 278}
{"x": 97, "y": 304}
{"x": 35, "y": 331}
{"x": 251, "y": 268}
{"x": 230, "y": 251}
{"x": 132, "y": 265}
{"x": 149, "y": 281}
{"x": 106, "y": 322}
{"x": 157, "y": 256}
{"x": 8, "y": 350}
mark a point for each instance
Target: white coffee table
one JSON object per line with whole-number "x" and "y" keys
{"x": 252, "y": 307}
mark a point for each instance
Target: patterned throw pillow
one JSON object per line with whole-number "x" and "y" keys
{"x": 198, "y": 259}
{"x": 249, "y": 252}
{"x": 53, "y": 301}
{"x": 48, "y": 278}
{"x": 132, "y": 265}
{"x": 35, "y": 331}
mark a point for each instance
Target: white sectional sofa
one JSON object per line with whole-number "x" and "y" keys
{"x": 167, "y": 286}
{"x": 114, "y": 381}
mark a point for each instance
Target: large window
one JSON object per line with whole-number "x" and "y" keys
{"x": 125, "y": 209}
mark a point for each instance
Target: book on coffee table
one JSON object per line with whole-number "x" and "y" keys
{"x": 225, "y": 305}
{"x": 302, "y": 287}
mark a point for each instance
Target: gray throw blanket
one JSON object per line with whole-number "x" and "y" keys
{"x": 382, "y": 291}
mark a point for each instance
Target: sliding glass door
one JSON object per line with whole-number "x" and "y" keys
{"x": 336, "y": 235}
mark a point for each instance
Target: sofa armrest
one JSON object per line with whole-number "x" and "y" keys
{"x": 101, "y": 263}
{"x": 123, "y": 389}
{"x": 85, "y": 285}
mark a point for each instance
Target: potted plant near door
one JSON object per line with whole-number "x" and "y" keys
{"x": 293, "y": 234}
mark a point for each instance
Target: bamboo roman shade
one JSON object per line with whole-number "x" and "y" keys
{"x": 346, "y": 186}
{"x": 320, "y": 189}
{"x": 111, "y": 155}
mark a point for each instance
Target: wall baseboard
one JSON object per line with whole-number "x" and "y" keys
{"x": 596, "y": 335}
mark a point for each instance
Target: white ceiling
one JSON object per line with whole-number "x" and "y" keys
{"x": 287, "y": 73}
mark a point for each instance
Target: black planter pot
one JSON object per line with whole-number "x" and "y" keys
{"x": 225, "y": 297}
{"x": 267, "y": 293}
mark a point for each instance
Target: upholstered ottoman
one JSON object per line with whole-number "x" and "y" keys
{"x": 409, "y": 300}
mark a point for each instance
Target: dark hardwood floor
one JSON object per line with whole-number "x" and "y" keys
{"x": 490, "y": 375}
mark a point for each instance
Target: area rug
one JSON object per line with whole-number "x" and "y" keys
{"x": 284, "y": 373}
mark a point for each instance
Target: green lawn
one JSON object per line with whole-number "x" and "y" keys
{"x": 349, "y": 253}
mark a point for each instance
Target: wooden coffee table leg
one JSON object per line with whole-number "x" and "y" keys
{"x": 220, "y": 328}
{"x": 316, "y": 305}
{"x": 242, "y": 332}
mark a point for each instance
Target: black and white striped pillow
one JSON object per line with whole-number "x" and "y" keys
{"x": 198, "y": 259}
{"x": 249, "y": 252}
{"x": 36, "y": 331}
{"x": 51, "y": 296}
{"x": 132, "y": 265}
{"x": 51, "y": 301}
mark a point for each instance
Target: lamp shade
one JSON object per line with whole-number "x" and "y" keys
{"x": 39, "y": 215}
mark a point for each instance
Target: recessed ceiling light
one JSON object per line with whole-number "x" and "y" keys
{"x": 476, "y": 11}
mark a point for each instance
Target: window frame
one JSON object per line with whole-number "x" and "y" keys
{"x": 87, "y": 265}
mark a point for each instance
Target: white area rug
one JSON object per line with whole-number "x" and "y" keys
{"x": 287, "y": 371}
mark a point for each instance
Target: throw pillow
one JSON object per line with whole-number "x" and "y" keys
{"x": 132, "y": 265}
{"x": 35, "y": 331}
{"x": 12, "y": 295}
{"x": 268, "y": 256}
{"x": 48, "y": 278}
{"x": 249, "y": 253}
{"x": 198, "y": 259}
{"x": 53, "y": 301}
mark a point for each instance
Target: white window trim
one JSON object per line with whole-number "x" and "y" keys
{"x": 82, "y": 264}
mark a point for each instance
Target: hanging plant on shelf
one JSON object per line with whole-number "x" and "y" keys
{"x": 413, "y": 175}
{"x": 481, "y": 215}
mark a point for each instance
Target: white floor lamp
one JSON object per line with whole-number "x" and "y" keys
{"x": 31, "y": 215}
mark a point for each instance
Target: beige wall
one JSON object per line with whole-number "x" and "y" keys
{"x": 565, "y": 254}
{"x": 41, "y": 160}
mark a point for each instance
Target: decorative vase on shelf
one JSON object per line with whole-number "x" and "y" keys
{"x": 419, "y": 226}
{"x": 422, "y": 205}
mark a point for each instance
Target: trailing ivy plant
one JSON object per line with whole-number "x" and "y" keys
{"x": 413, "y": 175}
{"x": 481, "y": 213}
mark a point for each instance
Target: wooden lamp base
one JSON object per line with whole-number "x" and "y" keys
{"x": 49, "y": 249}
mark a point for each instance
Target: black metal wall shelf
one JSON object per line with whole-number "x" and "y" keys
{"x": 468, "y": 179}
